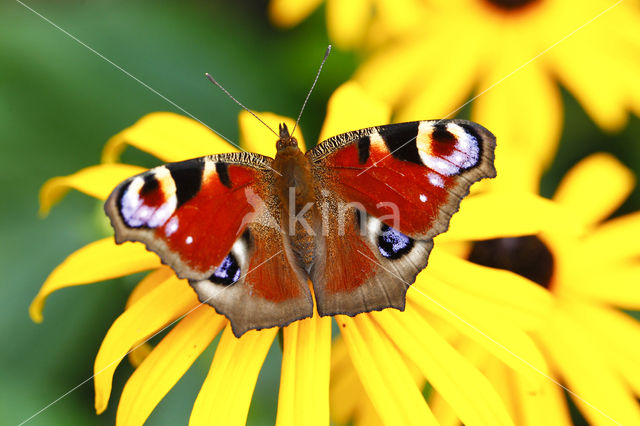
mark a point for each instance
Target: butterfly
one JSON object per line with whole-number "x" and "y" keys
{"x": 355, "y": 216}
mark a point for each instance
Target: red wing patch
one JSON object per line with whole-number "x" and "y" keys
{"x": 190, "y": 213}
{"x": 204, "y": 228}
{"x": 270, "y": 275}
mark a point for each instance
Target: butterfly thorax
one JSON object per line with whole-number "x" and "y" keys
{"x": 294, "y": 181}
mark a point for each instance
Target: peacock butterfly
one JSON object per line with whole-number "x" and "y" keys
{"x": 356, "y": 216}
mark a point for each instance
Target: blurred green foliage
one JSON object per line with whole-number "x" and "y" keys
{"x": 59, "y": 103}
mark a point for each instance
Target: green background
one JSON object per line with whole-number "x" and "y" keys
{"x": 59, "y": 103}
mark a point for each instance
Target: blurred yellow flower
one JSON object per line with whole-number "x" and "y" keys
{"x": 385, "y": 348}
{"x": 590, "y": 344}
{"x": 351, "y": 23}
{"x": 510, "y": 54}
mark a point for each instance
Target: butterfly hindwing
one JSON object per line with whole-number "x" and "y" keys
{"x": 362, "y": 264}
{"x": 400, "y": 184}
{"x": 214, "y": 221}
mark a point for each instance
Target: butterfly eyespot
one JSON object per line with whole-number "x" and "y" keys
{"x": 142, "y": 202}
{"x": 443, "y": 139}
{"x": 393, "y": 244}
{"x": 448, "y": 148}
{"x": 150, "y": 186}
{"x": 228, "y": 272}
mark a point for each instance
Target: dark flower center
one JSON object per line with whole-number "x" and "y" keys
{"x": 510, "y": 5}
{"x": 526, "y": 256}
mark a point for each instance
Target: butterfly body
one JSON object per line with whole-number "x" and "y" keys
{"x": 355, "y": 216}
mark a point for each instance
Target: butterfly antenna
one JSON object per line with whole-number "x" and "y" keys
{"x": 326, "y": 55}
{"x": 214, "y": 81}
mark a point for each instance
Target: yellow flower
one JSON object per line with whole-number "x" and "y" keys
{"x": 590, "y": 344}
{"x": 351, "y": 23}
{"x": 462, "y": 47}
{"x": 386, "y": 348}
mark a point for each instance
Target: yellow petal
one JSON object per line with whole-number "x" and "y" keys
{"x": 140, "y": 352}
{"x": 349, "y": 401}
{"x": 616, "y": 286}
{"x": 98, "y": 261}
{"x": 304, "y": 377}
{"x": 504, "y": 292}
{"x": 499, "y": 374}
{"x": 495, "y": 333}
{"x": 168, "y": 362}
{"x": 465, "y": 388}
{"x": 226, "y": 393}
{"x": 545, "y": 405}
{"x": 344, "y": 381}
{"x": 584, "y": 70}
{"x": 508, "y": 214}
{"x": 619, "y": 333}
{"x": 380, "y": 75}
{"x": 441, "y": 92}
{"x": 399, "y": 16}
{"x": 521, "y": 155}
{"x": 595, "y": 187}
{"x": 256, "y": 137}
{"x": 151, "y": 313}
{"x": 167, "y": 136}
{"x": 367, "y": 414}
{"x": 382, "y": 371}
{"x": 541, "y": 404}
{"x": 524, "y": 111}
{"x": 488, "y": 365}
{"x": 289, "y": 13}
{"x": 148, "y": 283}
{"x": 347, "y": 21}
{"x": 598, "y": 390}
{"x": 96, "y": 181}
{"x": 350, "y": 108}
{"x": 442, "y": 410}
{"x": 613, "y": 240}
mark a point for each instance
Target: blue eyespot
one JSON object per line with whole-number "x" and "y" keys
{"x": 228, "y": 272}
{"x": 393, "y": 244}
